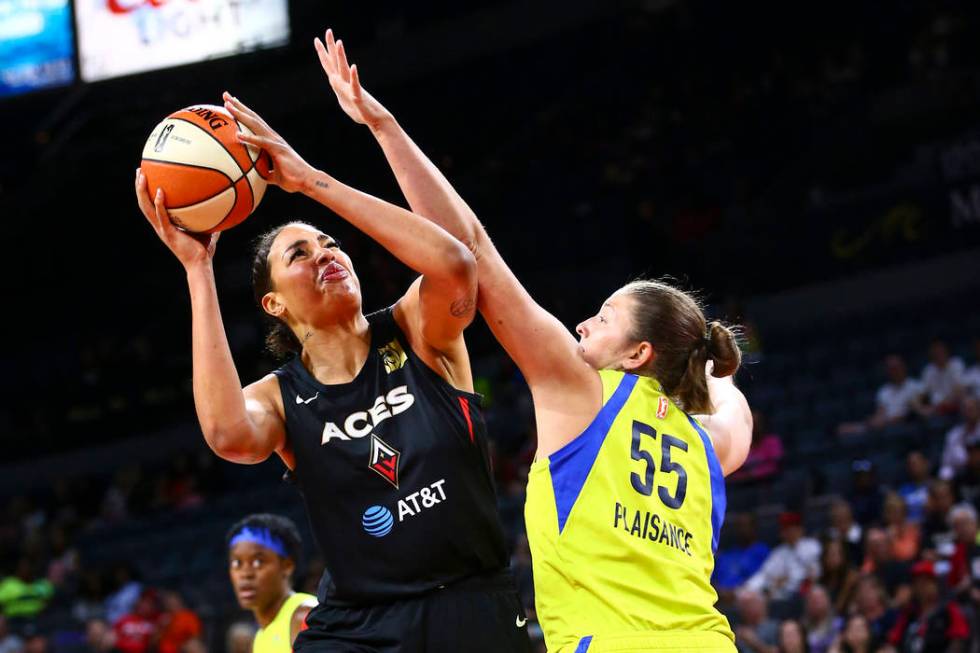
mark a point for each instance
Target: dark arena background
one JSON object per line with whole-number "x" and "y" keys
{"x": 813, "y": 169}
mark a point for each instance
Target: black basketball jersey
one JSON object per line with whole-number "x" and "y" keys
{"x": 394, "y": 469}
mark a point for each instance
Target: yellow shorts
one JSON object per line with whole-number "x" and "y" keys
{"x": 695, "y": 642}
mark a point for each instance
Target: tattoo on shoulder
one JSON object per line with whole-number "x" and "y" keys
{"x": 461, "y": 307}
{"x": 321, "y": 183}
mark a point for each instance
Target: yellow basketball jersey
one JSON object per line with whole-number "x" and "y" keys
{"x": 623, "y": 523}
{"x": 274, "y": 638}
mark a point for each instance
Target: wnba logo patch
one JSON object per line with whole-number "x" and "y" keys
{"x": 377, "y": 521}
{"x": 662, "y": 407}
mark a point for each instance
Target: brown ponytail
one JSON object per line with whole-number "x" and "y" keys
{"x": 672, "y": 321}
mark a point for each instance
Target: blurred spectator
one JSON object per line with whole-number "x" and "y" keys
{"x": 178, "y": 624}
{"x": 929, "y": 624}
{"x": 765, "y": 454}
{"x": 971, "y": 378}
{"x": 63, "y": 563}
{"x": 965, "y": 562}
{"x": 99, "y": 637}
{"x": 903, "y": 533}
{"x": 844, "y": 528}
{"x": 867, "y": 495}
{"x": 23, "y": 595}
{"x": 965, "y": 432}
{"x": 895, "y": 401}
{"x": 915, "y": 490}
{"x": 36, "y": 643}
{"x": 136, "y": 630}
{"x": 756, "y": 632}
{"x": 791, "y": 563}
{"x": 821, "y": 624}
{"x": 239, "y": 637}
{"x": 937, "y": 536}
{"x": 792, "y": 637}
{"x": 9, "y": 643}
{"x": 837, "y": 575}
{"x": 89, "y": 602}
{"x": 855, "y": 638}
{"x": 194, "y": 645}
{"x": 966, "y": 484}
{"x": 871, "y": 602}
{"x": 880, "y": 562}
{"x": 125, "y": 594}
{"x": 942, "y": 378}
{"x": 735, "y": 565}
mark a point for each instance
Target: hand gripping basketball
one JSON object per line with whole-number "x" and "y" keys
{"x": 189, "y": 248}
{"x": 289, "y": 171}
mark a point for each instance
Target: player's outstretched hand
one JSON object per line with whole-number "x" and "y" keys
{"x": 346, "y": 84}
{"x": 289, "y": 171}
{"x": 189, "y": 248}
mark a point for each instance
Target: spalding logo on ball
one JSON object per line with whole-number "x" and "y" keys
{"x": 210, "y": 180}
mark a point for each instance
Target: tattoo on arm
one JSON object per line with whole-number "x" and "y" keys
{"x": 461, "y": 307}
{"x": 321, "y": 183}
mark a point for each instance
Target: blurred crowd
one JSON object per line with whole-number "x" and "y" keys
{"x": 880, "y": 564}
{"x": 885, "y": 564}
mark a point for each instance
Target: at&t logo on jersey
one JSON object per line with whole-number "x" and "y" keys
{"x": 378, "y": 521}
{"x": 360, "y": 423}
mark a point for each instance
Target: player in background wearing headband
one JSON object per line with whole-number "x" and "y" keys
{"x": 263, "y": 550}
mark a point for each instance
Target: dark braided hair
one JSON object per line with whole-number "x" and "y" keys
{"x": 280, "y": 339}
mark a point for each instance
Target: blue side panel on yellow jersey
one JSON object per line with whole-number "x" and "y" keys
{"x": 719, "y": 499}
{"x": 571, "y": 465}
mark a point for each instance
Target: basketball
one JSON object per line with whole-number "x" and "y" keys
{"x": 211, "y": 181}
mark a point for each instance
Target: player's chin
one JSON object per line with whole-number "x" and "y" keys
{"x": 588, "y": 357}
{"x": 245, "y": 602}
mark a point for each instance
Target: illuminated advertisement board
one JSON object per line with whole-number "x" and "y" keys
{"x": 121, "y": 37}
{"x": 35, "y": 45}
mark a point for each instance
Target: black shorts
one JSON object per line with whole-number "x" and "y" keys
{"x": 476, "y": 615}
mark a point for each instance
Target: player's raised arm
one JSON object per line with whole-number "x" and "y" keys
{"x": 730, "y": 425}
{"x": 447, "y": 292}
{"x": 542, "y": 347}
{"x": 240, "y": 426}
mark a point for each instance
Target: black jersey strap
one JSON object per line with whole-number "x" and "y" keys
{"x": 384, "y": 328}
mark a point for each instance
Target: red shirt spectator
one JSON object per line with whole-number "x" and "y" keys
{"x": 178, "y": 623}
{"x": 136, "y": 630}
{"x": 929, "y": 625}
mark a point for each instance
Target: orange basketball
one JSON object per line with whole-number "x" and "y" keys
{"x": 210, "y": 180}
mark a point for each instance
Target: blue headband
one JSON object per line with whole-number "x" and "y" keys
{"x": 262, "y": 537}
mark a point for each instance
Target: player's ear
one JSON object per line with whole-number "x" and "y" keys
{"x": 272, "y": 305}
{"x": 639, "y": 357}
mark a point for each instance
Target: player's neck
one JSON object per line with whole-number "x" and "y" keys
{"x": 264, "y": 617}
{"x": 335, "y": 353}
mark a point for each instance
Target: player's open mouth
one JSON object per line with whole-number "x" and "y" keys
{"x": 333, "y": 272}
{"x": 246, "y": 593}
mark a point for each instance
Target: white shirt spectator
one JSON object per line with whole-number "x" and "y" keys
{"x": 971, "y": 380}
{"x": 941, "y": 384}
{"x": 786, "y": 568}
{"x": 895, "y": 400}
{"x": 954, "y": 451}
